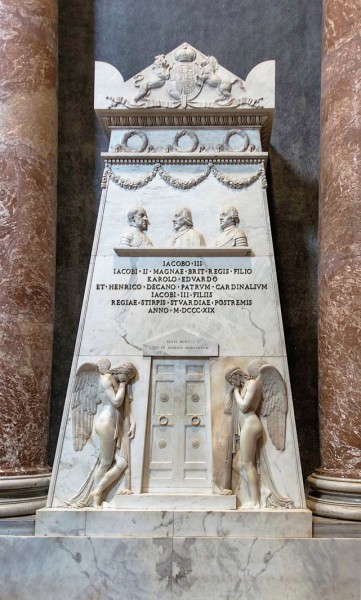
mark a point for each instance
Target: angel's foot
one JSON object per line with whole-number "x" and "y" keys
{"x": 124, "y": 492}
{"x": 226, "y": 492}
{"x": 97, "y": 499}
{"x": 251, "y": 505}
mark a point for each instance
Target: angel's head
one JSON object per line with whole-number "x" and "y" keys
{"x": 125, "y": 372}
{"x": 235, "y": 376}
{"x": 104, "y": 365}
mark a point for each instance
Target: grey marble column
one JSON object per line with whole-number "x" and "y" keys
{"x": 28, "y": 151}
{"x": 336, "y": 485}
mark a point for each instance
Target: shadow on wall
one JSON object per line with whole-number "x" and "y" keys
{"x": 293, "y": 205}
{"x": 77, "y": 204}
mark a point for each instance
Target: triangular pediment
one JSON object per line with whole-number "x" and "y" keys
{"x": 180, "y": 342}
{"x": 185, "y": 78}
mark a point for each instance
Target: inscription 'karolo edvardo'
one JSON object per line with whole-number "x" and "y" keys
{"x": 186, "y": 287}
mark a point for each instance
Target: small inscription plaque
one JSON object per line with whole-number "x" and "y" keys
{"x": 180, "y": 343}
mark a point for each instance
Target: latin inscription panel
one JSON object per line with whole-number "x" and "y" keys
{"x": 224, "y": 306}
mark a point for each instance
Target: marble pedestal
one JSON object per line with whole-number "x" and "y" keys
{"x": 141, "y": 523}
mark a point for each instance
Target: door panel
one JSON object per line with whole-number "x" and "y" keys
{"x": 178, "y": 448}
{"x": 164, "y": 397}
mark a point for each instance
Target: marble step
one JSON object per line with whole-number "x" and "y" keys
{"x": 110, "y": 522}
{"x": 176, "y": 501}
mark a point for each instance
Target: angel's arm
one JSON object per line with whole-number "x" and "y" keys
{"x": 245, "y": 402}
{"x": 120, "y": 395}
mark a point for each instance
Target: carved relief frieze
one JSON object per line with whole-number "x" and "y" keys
{"x": 205, "y": 120}
{"x": 134, "y": 133}
{"x": 185, "y": 235}
{"x": 235, "y": 183}
{"x": 185, "y": 141}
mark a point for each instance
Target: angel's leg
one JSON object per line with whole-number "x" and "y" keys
{"x": 112, "y": 474}
{"x": 250, "y": 433}
{"x": 105, "y": 431}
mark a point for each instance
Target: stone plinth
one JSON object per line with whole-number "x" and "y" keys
{"x": 337, "y": 483}
{"x": 139, "y": 523}
{"x": 184, "y": 568}
{"x": 28, "y": 133}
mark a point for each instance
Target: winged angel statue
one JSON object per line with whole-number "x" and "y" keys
{"x": 259, "y": 392}
{"x": 97, "y": 383}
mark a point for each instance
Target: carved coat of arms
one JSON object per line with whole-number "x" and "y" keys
{"x": 184, "y": 78}
{"x": 184, "y": 83}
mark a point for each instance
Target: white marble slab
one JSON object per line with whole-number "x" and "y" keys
{"x": 119, "y": 523}
{"x": 85, "y": 568}
{"x": 162, "y": 521}
{"x": 266, "y": 569}
{"x": 166, "y": 501}
{"x": 60, "y": 522}
{"x": 191, "y": 569}
{"x": 264, "y": 523}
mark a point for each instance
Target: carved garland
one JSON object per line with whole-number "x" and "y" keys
{"x": 184, "y": 184}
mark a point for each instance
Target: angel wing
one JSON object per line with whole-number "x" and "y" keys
{"x": 274, "y": 404}
{"x": 85, "y": 399}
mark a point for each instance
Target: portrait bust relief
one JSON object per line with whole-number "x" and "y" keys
{"x": 232, "y": 236}
{"x": 135, "y": 237}
{"x": 185, "y": 235}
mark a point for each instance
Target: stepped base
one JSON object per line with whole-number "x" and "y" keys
{"x": 176, "y": 501}
{"x": 139, "y": 523}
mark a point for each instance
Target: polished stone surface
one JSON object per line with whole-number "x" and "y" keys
{"x": 322, "y": 527}
{"x": 187, "y": 568}
{"x": 336, "y": 484}
{"x": 340, "y": 240}
{"x": 28, "y": 148}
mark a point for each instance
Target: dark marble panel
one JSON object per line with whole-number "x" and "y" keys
{"x": 240, "y": 33}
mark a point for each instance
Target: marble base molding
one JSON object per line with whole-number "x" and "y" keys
{"x": 23, "y": 494}
{"x": 177, "y": 501}
{"x": 334, "y": 497}
{"x": 138, "y": 523}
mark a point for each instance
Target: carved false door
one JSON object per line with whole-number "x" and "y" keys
{"x": 179, "y": 429}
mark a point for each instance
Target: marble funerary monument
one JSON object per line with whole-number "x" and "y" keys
{"x": 179, "y": 402}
